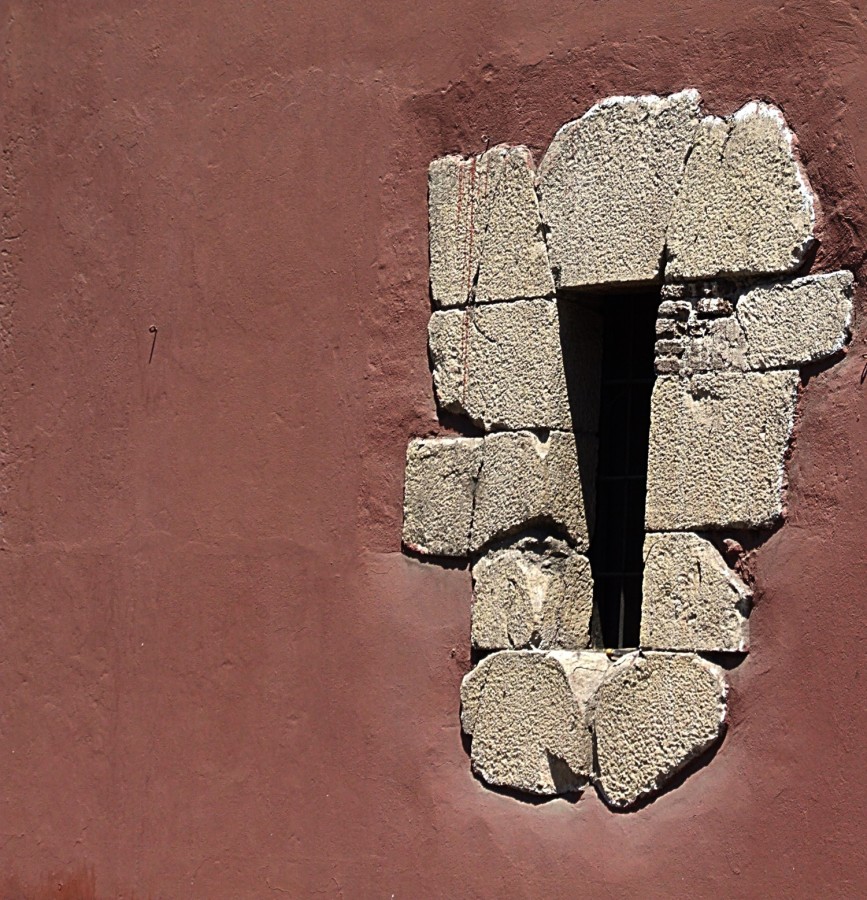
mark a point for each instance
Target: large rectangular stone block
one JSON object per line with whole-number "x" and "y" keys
{"x": 485, "y": 233}
{"x": 607, "y": 185}
{"x": 717, "y": 445}
{"x": 744, "y": 206}
{"x": 526, "y": 364}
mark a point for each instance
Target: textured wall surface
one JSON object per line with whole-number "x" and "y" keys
{"x": 219, "y": 676}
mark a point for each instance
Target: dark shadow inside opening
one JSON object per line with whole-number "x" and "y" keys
{"x": 624, "y": 326}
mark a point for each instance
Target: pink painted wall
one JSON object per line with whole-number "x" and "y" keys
{"x": 219, "y": 677}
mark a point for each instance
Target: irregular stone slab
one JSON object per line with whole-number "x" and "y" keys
{"x": 745, "y": 206}
{"x": 717, "y": 444}
{"x": 607, "y": 185}
{"x": 505, "y": 365}
{"x": 527, "y": 480}
{"x": 526, "y": 711}
{"x": 784, "y": 325}
{"x": 537, "y": 593}
{"x": 691, "y": 600}
{"x": 653, "y": 714}
{"x": 440, "y": 482}
{"x": 485, "y": 233}
{"x": 798, "y": 322}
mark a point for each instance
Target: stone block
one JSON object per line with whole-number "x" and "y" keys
{"x": 717, "y": 445}
{"x": 796, "y": 322}
{"x": 485, "y": 233}
{"x": 783, "y": 325}
{"x": 607, "y": 185}
{"x": 691, "y": 599}
{"x": 653, "y": 714}
{"x": 440, "y": 482}
{"x": 526, "y": 712}
{"x": 744, "y": 206}
{"x": 538, "y": 593}
{"x": 506, "y": 365}
{"x": 527, "y": 480}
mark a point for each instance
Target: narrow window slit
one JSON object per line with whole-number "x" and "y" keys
{"x": 616, "y": 549}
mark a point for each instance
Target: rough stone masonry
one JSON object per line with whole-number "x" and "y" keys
{"x": 639, "y": 190}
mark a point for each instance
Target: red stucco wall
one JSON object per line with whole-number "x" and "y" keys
{"x": 218, "y": 675}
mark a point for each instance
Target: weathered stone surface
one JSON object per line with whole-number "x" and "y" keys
{"x": 440, "y": 482}
{"x": 691, "y": 599}
{"x": 652, "y": 714}
{"x": 527, "y": 480}
{"x": 536, "y": 593}
{"x": 797, "y": 322}
{"x": 783, "y": 325}
{"x": 526, "y": 712}
{"x": 485, "y": 234}
{"x": 717, "y": 444}
{"x": 715, "y": 345}
{"x": 744, "y": 206}
{"x": 607, "y": 185}
{"x": 505, "y": 365}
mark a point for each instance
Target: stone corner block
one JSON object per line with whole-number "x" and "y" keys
{"x": 717, "y": 448}
{"x": 526, "y": 713}
{"x": 485, "y": 233}
{"x": 534, "y": 594}
{"x": 511, "y": 365}
{"x": 745, "y": 206}
{"x": 652, "y": 715}
{"x": 439, "y": 486}
{"x": 527, "y": 480}
{"x": 607, "y": 185}
{"x": 691, "y": 599}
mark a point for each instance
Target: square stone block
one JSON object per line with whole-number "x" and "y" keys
{"x": 538, "y": 593}
{"x": 526, "y": 713}
{"x": 717, "y": 445}
{"x": 527, "y": 480}
{"x": 691, "y": 599}
{"x": 526, "y": 364}
{"x": 607, "y": 185}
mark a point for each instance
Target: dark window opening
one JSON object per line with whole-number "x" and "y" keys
{"x": 616, "y": 549}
